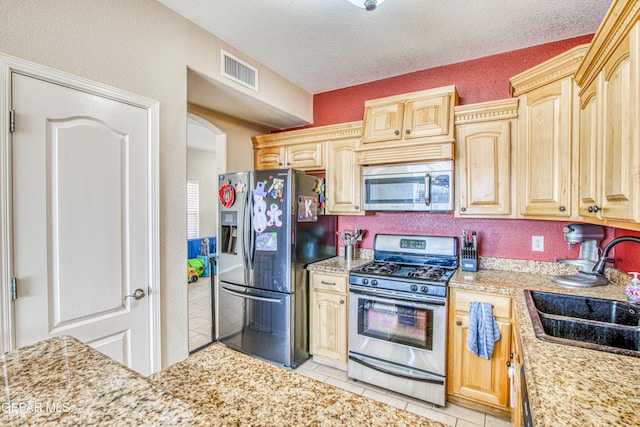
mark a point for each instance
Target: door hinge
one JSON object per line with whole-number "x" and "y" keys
{"x": 12, "y": 121}
{"x": 14, "y": 289}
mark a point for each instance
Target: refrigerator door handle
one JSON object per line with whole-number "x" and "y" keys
{"x": 246, "y": 237}
{"x": 252, "y": 236}
{"x": 242, "y": 295}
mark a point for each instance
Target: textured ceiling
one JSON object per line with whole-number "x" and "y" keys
{"x": 322, "y": 45}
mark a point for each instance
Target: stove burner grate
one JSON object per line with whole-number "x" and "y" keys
{"x": 381, "y": 267}
{"x": 426, "y": 272}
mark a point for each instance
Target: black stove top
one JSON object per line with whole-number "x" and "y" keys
{"x": 408, "y": 264}
{"x": 421, "y": 272}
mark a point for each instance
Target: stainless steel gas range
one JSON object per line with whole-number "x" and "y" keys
{"x": 398, "y": 315}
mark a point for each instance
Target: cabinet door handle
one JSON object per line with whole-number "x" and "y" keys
{"x": 459, "y": 323}
{"x": 463, "y": 209}
{"x": 328, "y": 283}
{"x": 408, "y": 131}
{"x": 397, "y": 132}
{"x": 341, "y": 301}
{"x": 562, "y": 208}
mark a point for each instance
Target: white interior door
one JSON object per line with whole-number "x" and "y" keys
{"x": 80, "y": 199}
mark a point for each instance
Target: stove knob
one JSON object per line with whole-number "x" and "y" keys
{"x": 365, "y": 281}
{"x": 374, "y": 282}
{"x": 424, "y": 289}
{"x": 414, "y": 288}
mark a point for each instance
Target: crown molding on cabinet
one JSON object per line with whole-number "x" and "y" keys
{"x": 309, "y": 135}
{"x": 556, "y": 68}
{"x": 503, "y": 109}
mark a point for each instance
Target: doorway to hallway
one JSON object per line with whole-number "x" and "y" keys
{"x": 206, "y": 144}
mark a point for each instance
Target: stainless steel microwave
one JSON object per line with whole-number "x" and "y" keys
{"x": 415, "y": 187}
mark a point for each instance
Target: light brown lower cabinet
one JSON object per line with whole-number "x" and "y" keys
{"x": 517, "y": 418}
{"x": 473, "y": 379}
{"x": 328, "y": 318}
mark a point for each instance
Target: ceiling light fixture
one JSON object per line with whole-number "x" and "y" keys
{"x": 366, "y": 4}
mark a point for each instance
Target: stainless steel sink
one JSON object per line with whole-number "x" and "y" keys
{"x": 600, "y": 324}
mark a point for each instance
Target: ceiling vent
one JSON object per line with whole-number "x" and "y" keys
{"x": 239, "y": 71}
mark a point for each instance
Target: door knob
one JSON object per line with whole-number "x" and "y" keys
{"x": 137, "y": 294}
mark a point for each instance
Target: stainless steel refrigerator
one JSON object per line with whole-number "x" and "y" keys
{"x": 270, "y": 228}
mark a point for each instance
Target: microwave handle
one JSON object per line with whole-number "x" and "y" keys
{"x": 427, "y": 189}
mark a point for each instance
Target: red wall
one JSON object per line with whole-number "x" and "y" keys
{"x": 477, "y": 80}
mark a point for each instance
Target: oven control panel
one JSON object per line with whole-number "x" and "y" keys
{"x": 413, "y": 244}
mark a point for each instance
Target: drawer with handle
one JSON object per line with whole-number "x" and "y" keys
{"x": 329, "y": 282}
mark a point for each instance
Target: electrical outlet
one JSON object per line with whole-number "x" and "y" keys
{"x": 537, "y": 243}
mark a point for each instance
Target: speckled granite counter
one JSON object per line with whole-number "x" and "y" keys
{"x": 337, "y": 265}
{"x": 63, "y": 382}
{"x": 567, "y": 385}
{"x": 245, "y": 391}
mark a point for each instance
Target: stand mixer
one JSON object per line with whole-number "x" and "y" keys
{"x": 589, "y": 236}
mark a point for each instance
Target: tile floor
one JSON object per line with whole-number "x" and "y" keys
{"x": 199, "y": 313}
{"x": 452, "y": 415}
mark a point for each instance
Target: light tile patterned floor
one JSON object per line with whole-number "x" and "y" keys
{"x": 451, "y": 414}
{"x": 199, "y": 313}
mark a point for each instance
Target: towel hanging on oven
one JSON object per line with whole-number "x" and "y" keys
{"x": 483, "y": 330}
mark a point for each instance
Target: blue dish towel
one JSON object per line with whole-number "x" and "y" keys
{"x": 483, "y": 330}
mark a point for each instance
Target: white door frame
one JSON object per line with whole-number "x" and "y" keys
{"x": 220, "y": 142}
{"x": 9, "y": 64}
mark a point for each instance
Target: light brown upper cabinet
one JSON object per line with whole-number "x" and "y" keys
{"x": 328, "y": 150}
{"x": 343, "y": 178}
{"x": 306, "y": 157}
{"x": 547, "y": 95}
{"x": 485, "y": 133}
{"x": 409, "y": 127}
{"x": 609, "y": 142}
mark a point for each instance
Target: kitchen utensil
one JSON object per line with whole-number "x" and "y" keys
{"x": 469, "y": 251}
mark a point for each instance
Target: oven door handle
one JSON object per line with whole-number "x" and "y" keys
{"x": 378, "y": 293}
{"x": 373, "y": 366}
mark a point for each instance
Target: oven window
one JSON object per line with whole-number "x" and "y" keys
{"x": 396, "y": 323}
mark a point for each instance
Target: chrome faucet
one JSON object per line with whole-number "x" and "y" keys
{"x": 599, "y": 267}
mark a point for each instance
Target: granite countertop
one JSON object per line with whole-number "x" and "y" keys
{"x": 61, "y": 381}
{"x": 64, "y": 382}
{"x": 567, "y": 385}
{"x": 337, "y": 265}
{"x": 244, "y": 390}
